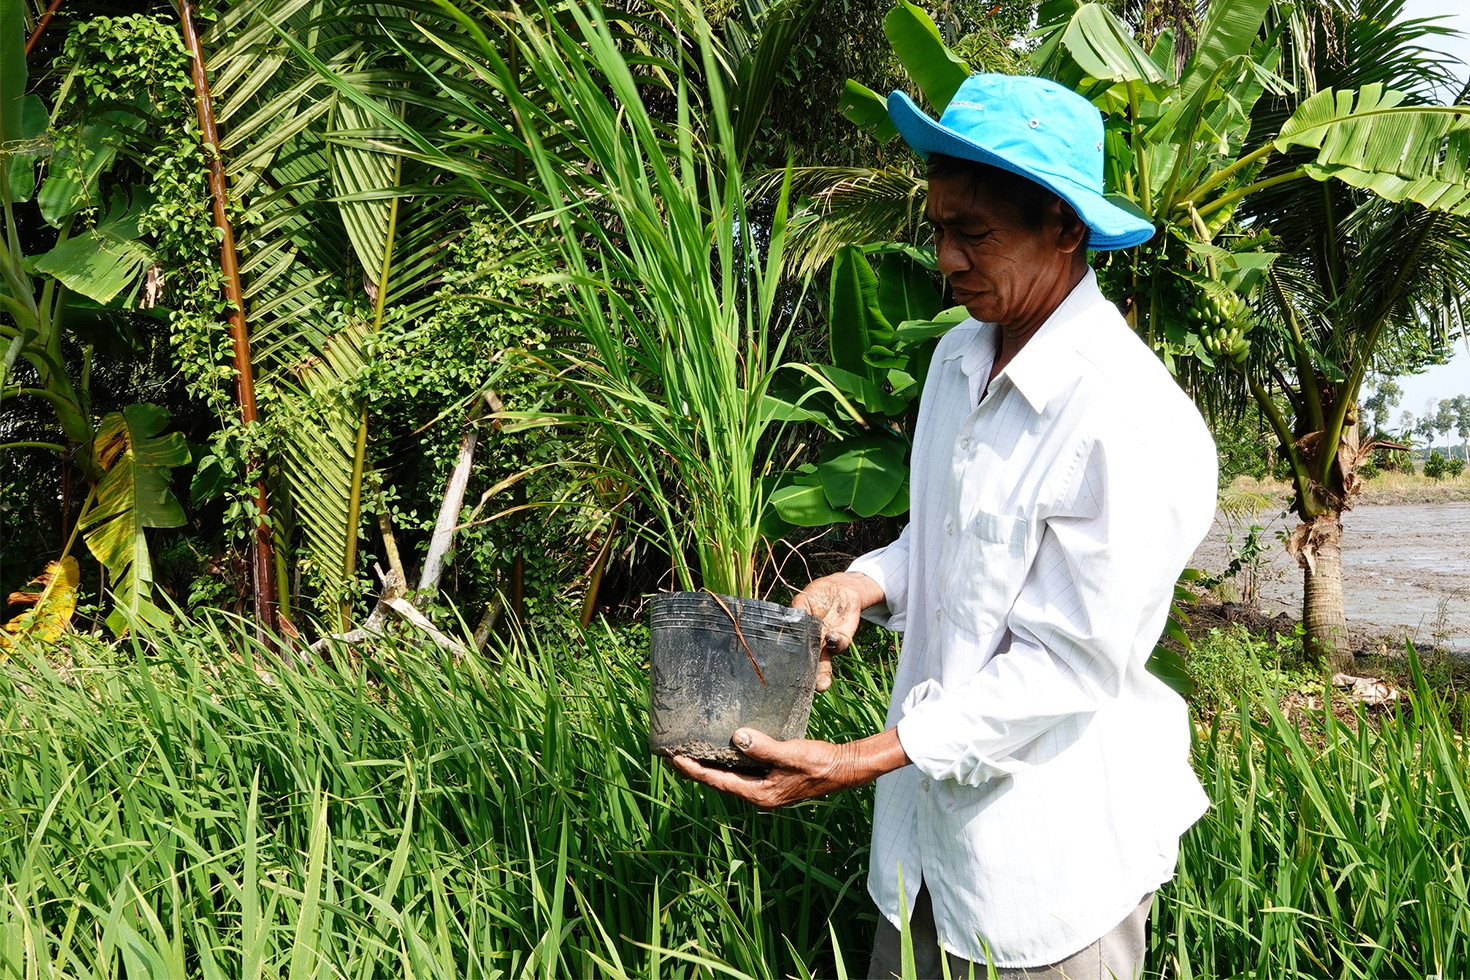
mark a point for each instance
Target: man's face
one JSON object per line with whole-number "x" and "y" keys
{"x": 1000, "y": 270}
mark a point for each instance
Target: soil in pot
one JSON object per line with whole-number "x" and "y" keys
{"x": 719, "y": 663}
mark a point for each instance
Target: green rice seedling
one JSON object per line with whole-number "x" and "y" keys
{"x": 178, "y": 806}
{"x": 1329, "y": 850}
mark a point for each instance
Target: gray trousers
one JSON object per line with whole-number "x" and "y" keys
{"x": 1116, "y": 956}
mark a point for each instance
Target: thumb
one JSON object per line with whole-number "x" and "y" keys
{"x": 824, "y": 669}
{"x": 755, "y": 744}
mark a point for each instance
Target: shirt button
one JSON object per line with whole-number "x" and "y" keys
{"x": 924, "y": 786}
{"x": 964, "y": 444}
{"x": 936, "y": 615}
{"x": 949, "y": 527}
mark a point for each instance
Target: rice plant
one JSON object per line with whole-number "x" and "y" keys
{"x": 1330, "y": 850}
{"x": 175, "y": 808}
{"x": 177, "y": 805}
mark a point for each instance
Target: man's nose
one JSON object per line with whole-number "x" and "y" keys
{"x": 949, "y": 258}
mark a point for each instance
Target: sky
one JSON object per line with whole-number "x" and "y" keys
{"x": 1446, "y": 380}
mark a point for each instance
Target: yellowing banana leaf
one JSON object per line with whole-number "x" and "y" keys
{"x": 132, "y": 496}
{"x": 53, "y": 607}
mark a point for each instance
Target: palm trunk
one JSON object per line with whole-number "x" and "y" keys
{"x": 1318, "y": 548}
{"x": 41, "y": 26}
{"x": 263, "y": 566}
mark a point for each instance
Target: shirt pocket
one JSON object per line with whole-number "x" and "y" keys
{"x": 982, "y": 571}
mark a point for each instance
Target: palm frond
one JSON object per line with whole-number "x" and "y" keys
{"x": 851, "y": 206}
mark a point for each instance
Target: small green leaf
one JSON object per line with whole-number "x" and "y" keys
{"x": 22, "y": 164}
{"x": 864, "y": 473}
{"x": 864, "y": 391}
{"x": 899, "y": 505}
{"x": 1169, "y": 667}
{"x": 913, "y": 331}
{"x": 905, "y": 290}
{"x": 866, "y": 108}
{"x": 806, "y": 507}
{"x": 855, "y": 321}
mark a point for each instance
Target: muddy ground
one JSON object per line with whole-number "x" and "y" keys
{"x": 1406, "y": 572}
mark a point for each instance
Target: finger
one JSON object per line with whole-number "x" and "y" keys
{"x": 725, "y": 780}
{"x": 824, "y": 669}
{"x": 759, "y": 746}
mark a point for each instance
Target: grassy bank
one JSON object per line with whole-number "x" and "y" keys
{"x": 1387, "y": 487}
{"x": 184, "y": 808}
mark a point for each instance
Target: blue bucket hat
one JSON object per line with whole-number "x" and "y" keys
{"x": 1034, "y": 128}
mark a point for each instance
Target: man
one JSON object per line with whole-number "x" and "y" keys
{"x": 1033, "y": 778}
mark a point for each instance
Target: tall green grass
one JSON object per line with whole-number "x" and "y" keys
{"x": 181, "y": 806}
{"x": 187, "y": 808}
{"x": 1330, "y": 850}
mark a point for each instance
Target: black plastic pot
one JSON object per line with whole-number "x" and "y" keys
{"x": 721, "y": 663}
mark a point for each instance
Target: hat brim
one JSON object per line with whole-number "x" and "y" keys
{"x": 1111, "y": 227}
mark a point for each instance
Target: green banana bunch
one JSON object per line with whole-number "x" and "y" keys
{"x": 1222, "y": 324}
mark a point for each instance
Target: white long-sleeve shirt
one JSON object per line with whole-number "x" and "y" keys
{"x": 1048, "y": 524}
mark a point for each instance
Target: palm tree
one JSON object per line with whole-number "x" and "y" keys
{"x": 1361, "y": 282}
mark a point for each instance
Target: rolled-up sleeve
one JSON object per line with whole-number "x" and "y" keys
{"x": 889, "y": 567}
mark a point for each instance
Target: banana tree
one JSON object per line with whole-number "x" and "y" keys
{"x": 883, "y": 326}
{"x": 98, "y": 260}
{"x": 1351, "y": 191}
{"x": 1191, "y": 151}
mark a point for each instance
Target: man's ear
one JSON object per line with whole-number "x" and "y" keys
{"x": 1072, "y": 230}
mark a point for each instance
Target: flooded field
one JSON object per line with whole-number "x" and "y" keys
{"x": 1406, "y": 570}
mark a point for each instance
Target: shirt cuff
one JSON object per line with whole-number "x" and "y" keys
{"x": 889, "y": 567}
{"x": 939, "y": 748}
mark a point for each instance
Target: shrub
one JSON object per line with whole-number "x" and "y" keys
{"x": 1436, "y": 466}
{"x": 1455, "y": 466}
{"x": 1229, "y": 663}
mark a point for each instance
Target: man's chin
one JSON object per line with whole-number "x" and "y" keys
{"x": 976, "y": 305}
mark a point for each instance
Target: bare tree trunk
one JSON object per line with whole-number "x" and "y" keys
{"x": 449, "y": 509}
{"x": 1318, "y": 549}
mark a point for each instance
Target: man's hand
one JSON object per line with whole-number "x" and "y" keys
{"x": 800, "y": 768}
{"x": 838, "y": 601}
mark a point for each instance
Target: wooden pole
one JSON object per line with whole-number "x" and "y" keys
{"x": 263, "y": 566}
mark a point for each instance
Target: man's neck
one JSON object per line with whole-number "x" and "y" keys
{"x": 1010, "y": 338}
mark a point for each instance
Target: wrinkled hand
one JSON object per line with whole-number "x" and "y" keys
{"x": 800, "y": 768}
{"x": 838, "y": 601}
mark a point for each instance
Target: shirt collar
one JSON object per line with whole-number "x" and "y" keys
{"x": 1040, "y": 369}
